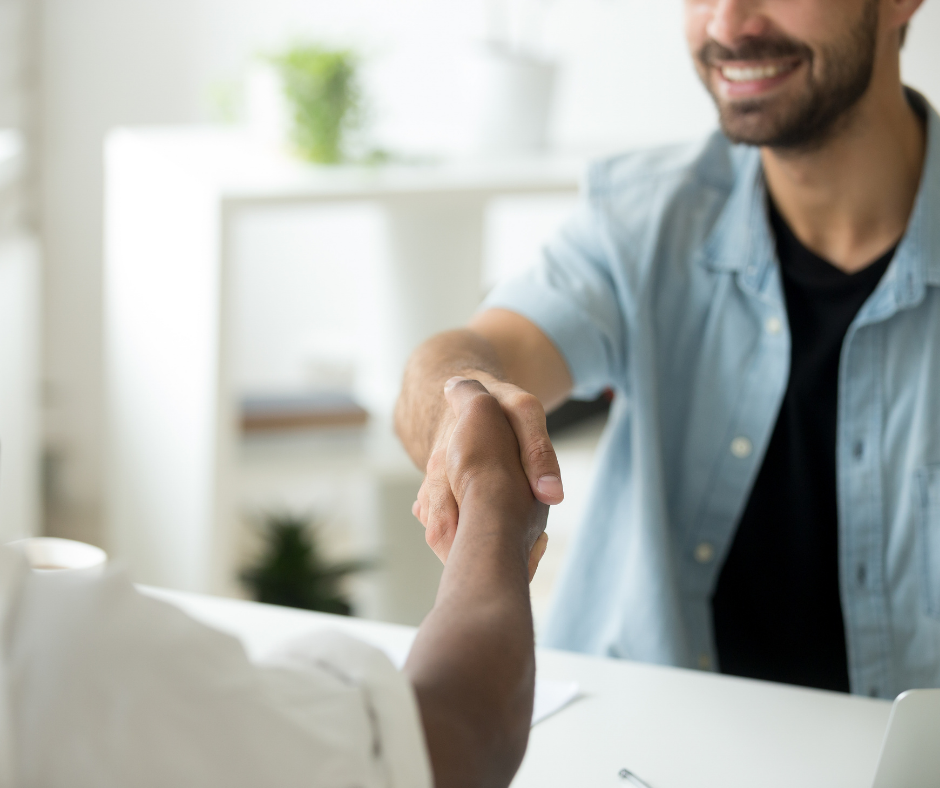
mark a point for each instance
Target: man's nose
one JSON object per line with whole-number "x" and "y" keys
{"x": 732, "y": 20}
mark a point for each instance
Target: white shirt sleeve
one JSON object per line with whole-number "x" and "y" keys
{"x": 111, "y": 688}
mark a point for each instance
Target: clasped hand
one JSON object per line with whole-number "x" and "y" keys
{"x": 528, "y": 459}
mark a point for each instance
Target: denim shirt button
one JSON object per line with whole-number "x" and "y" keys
{"x": 704, "y": 553}
{"x": 774, "y": 325}
{"x": 741, "y": 447}
{"x": 704, "y": 661}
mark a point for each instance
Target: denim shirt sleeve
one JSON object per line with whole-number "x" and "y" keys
{"x": 571, "y": 296}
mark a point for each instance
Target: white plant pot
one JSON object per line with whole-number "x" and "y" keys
{"x": 267, "y": 110}
{"x": 516, "y": 102}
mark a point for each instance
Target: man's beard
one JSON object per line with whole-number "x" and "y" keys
{"x": 808, "y": 121}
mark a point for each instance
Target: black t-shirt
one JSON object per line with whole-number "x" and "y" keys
{"x": 776, "y": 609}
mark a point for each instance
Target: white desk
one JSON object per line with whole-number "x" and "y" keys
{"x": 674, "y": 728}
{"x": 174, "y": 200}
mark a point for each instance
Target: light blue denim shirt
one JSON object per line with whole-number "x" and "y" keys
{"x": 665, "y": 286}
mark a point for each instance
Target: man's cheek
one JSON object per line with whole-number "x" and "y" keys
{"x": 697, "y": 15}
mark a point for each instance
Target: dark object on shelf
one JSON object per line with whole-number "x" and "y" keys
{"x": 259, "y": 414}
{"x": 575, "y": 411}
{"x": 291, "y": 572}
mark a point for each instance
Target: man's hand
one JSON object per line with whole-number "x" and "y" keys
{"x": 483, "y": 453}
{"x": 437, "y": 506}
{"x": 498, "y": 346}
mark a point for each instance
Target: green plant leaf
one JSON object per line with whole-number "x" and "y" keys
{"x": 323, "y": 88}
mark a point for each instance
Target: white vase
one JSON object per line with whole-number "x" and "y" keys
{"x": 517, "y": 98}
{"x": 267, "y": 110}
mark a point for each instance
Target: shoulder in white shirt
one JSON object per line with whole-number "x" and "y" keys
{"x": 102, "y": 687}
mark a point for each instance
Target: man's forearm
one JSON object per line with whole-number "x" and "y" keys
{"x": 421, "y": 405}
{"x": 472, "y": 664}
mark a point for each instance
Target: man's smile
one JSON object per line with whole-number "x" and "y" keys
{"x": 749, "y": 79}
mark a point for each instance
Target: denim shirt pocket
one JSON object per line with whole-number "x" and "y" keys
{"x": 928, "y": 526}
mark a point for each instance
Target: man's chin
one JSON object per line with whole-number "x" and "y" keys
{"x": 761, "y": 123}
{"x": 748, "y": 128}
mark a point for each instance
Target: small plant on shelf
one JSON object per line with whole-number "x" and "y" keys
{"x": 291, "y": 571}
{"x": 323, "y": 89}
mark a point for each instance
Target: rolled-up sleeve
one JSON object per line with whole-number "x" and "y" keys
{"x": 395, "y": 734}
{"x": 572, "y": 297}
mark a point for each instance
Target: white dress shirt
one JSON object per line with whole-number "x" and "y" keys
{"x": 103, "y": 687}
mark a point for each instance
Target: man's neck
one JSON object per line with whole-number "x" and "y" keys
{"x": 850, "y": 200}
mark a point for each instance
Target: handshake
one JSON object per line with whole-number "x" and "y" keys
{"x": 494, "y": 429}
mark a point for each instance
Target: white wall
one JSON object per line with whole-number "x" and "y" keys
{"x": 19, "y": 388}
{"x": 19, "y": 282}
{"x": 627, "y": 81}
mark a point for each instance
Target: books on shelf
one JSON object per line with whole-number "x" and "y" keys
{"x": 301, "y": 411}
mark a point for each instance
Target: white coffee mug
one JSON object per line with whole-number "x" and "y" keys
{"x": 48, "y": 554}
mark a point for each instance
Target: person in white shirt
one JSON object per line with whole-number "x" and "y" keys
{"x": 102, "y": 686}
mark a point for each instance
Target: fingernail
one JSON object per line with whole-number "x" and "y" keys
{"x": 550, "y": 486}
{"x": 452, "y": 382}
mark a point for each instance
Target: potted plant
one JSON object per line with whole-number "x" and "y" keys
{"x": 325, "y": 99}
{"x": 291, "y": 570}
{"x": 311, "y": 96}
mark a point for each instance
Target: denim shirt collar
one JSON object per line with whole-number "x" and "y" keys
{"x": 742, "y": 240}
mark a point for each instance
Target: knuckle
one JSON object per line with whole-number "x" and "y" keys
{"x": 483, "y": 406}
{"x": 439, "y": 492}
{"x": 465, "y": 461}
{"x": 540, "y": 453}
{"x": 437, "y": 464}
{"x": 435, "y": 533}
{"x": 464, "y": 476}
{"x": 522, "y": 400}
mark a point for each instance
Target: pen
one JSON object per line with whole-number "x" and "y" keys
{"x": 630, "y": 777}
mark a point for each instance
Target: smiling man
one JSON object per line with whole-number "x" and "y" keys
{"x": 766, "y": 306}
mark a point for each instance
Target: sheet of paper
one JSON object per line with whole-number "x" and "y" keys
{"x": 552, "y": 696}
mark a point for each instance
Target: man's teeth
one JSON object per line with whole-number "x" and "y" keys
{"x": 753, "y": 73}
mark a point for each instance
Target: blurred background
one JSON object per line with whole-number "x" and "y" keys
{"x": 207, "y": 292}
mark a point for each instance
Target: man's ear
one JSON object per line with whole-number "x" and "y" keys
{"x": 896, "y": 16}
{"x": 898, "y": 13}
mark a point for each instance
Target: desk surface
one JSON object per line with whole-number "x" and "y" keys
{"x": 674, "y": 728}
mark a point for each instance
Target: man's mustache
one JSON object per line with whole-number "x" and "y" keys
{"x": 753, "y": 49}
